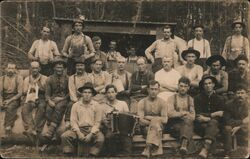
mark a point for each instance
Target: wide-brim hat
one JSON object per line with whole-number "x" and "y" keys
{"x": 59, "y": 60}
{"x": 238, "y": 21}
{"x": 206, "y": 76}
{"x": 214, "y": 58}
{"x": 241, "y": 57}
{"x": 87, "y": 85}
{"x": 190, "y": 51}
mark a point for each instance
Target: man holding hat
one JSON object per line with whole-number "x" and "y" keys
{"x": 240, "y": 74}
{"x": 236, "y": 117}
{"x": 209, "y": 111}
{"x": 200, "y": 44}
{"x": 216, "y": 62}
{"x": 191, "y": 70}
{"x": 235, "y": 45}
{"x": 75, "y": 81}
{"x": 85, "y": 120}
{"x": 77, "y": 45}
{"x": 56, "y": 96}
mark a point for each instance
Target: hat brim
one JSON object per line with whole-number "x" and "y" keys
{"x": 87, "y": 87}
{"x": 214, "y": 58}
{"x": 208, "y": 77}
{"x": 242, "y": 24}
{"x": 190, "y": 51}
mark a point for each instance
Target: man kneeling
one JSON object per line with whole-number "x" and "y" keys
{"x": 181, "y": 114}
{"x": 85, "y": 121}
{"x": 152, "y": 112}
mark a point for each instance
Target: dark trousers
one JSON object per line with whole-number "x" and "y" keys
{"x": 180, "y": 128}
{"x": 69, "y": 140}
{"x": 68, "y": 111}
{"x": 202, "y": 63}
{"x": 39, "y": 120}
{"x": 46, "y": 69}
{"x": 11, "y": 113}
{"x": 231, "y": 64}
{"x": 241, "y": 136}
{"x": 55, "y": 114}
{"x": 208, "y": 130}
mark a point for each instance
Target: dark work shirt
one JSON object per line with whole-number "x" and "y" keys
{"x": 235, "y": 112}
{"x": 205, "y": 105}
{"x": 56, "y": 86}
{"x": 139, "y": 79}
{"x": 234, "y": 78}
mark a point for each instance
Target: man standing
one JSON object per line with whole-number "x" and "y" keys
{"x": 200, "y": 44}
{"x": 191, "y": 70}
{"x": 152, "y": 112}
{"x": 44, "y": 51}
{"x": 113, "y": 140}
{"x": 11, "y": 91}
{"x": 56, "y": 96}
{"x": 240, "y": 74}
{"x": 162, "y": 47}
{"x": 77, "y": 45}
{"x": 85, "y": 120}
{"x": 139, "y": 81}
{"x": 112, "y": 56}
{"x": 75, "y": 81}
{"x": 168, "y": 78}
{"x": 34, "y": 90}
{"x": 235, "y": 45}
{"x": 209, "y": 108}
{"x": 215, "y": 63}
{"x": 236, "y": 118}
{"x": 181, "y": 114}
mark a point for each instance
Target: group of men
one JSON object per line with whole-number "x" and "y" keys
{"x": 187, "y": 91}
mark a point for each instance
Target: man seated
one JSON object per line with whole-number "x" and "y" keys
{"x": 181, "y": 115}
{"x": 240, "y": 74}
{"x": 191, "y": 70}
{"x": 85, "y": 119}
{"x": 209, "y": 108}
{"x": 152, "y": 112}
{"x": 34, "y": 90}
{"x": 113, "y": 140}
{"x": 121, "y": 79}
{"x": 236, "y": 118}
{"x": 215, "y": 63}
{"x": 139, "y": 81}
{"x": 168, "y": 78}
{"x": 56, "y": 96}
{"x": 75, "y": 81}
{"x": 11, "y": 91}
{"x": 100, "y": 79}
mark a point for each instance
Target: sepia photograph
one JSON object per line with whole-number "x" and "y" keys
{"x": 143, "y": 79}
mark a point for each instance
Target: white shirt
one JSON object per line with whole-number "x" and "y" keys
{"x": 202, "y": 46}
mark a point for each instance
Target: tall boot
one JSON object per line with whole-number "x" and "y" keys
{"x": 51, "y": 130}
{"x": 183, "y": 148}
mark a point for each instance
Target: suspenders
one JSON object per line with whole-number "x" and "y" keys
{"x": 243, "y": 41}
{"x": 204, "y": 48}
{"x": 175, "y": 102}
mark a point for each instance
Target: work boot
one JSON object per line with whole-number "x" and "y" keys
{"x": 51, "y": 130}
{"x": 183, "y": 148}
